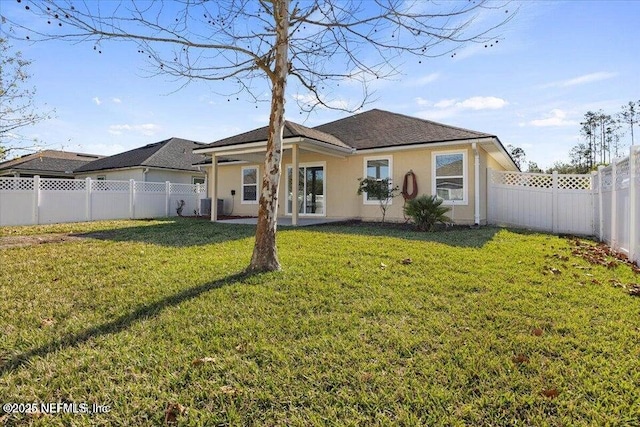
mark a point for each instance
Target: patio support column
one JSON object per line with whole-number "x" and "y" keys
{"x": 476, "y": 189}
{"x": 294, "y": 184}
{"x": 214, "y": 188}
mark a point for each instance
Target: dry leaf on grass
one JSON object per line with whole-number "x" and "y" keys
{"x": 383, "y": 265}
{"x": 406, "y": 261}
{"x": 634, "y": 291}
{"x": 537, "y": 332}
{"x": 202, "y": 361}
{"x": 46, "y": 322}
{"x": 172, "y": 412}
{"x": 551, "y": 393}
{"x": 520, "y": 359}
{"x": 227, "y": 389}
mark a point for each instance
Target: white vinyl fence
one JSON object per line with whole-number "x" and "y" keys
{"x": 604, "y": 204}
{"x": 27, "y": 201}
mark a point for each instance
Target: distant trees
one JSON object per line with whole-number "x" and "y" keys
{"x": 602, "y": 136}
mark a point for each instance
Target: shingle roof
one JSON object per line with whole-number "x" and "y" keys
{"x": 378, "y": 129}
{"x": 291, "y": 130}
{"x": 53, "y": 161}
{"x": 172, "y": 153}
{"x": 371, "y": 129}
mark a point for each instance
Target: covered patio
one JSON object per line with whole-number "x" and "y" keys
{"x": 251, "y": 148}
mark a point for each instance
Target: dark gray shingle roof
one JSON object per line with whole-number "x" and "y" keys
{"x": 371, "y": 129}
{"x": 291, "y": 130}
{"x": 52, "y": 161}
{"x": 379, "y": 129}
{"x": 173, "y": 153}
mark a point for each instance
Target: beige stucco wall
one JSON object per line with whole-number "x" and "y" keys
{"x": 341, "y": 174}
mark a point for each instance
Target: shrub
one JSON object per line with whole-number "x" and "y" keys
{"x": 379, "y": 189}
{"x": 426, "y": 211}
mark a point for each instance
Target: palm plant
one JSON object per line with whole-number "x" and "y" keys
{"x": 426, "y": 211}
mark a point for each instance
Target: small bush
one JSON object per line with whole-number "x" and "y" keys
{"x": 426, "y": 211}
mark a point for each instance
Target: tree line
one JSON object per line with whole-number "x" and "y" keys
{"x": 602, "y": 139}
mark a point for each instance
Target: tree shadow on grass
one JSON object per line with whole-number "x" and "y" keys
{"x": 120, "y": 324}
{"x": 460, "y": 236}
{"x": 175, "y": 233}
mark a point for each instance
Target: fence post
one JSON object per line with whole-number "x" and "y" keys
{"x": 36, "y": 199}
{"x": 614, "y": 203}
{"x": 634, "y": 219}
{"x": 132, "y": 197}
{"x": 167, "y": 193}
{"x": 600, "y": 203}
{"x": 88, "y": 201}
{"x": 198, "y": 199}
{"x": 554, "y": 202}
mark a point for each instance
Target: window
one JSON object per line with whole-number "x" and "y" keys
{"x": 197, "y": 180}
{"x": 377, "y": 168}
{"x": 101, "y": 178}
{"x": 249, "y": 185}
{"x": 450, "y": 177}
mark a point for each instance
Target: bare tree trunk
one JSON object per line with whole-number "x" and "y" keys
{"x": 265, "y": 253}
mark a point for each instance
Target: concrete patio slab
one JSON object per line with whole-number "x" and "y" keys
{"x": 283, "y": 221}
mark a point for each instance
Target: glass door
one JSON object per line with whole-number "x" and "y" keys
{"x": 310, "y": 192}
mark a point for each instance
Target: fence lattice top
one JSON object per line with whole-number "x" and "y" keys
{"x": 538, "y": 180}
{"x": 16, "y": 184}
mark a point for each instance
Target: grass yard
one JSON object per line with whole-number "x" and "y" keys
{"x": 155, "y": 320}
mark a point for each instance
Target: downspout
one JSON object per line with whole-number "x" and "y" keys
{"x": 144, "y": 174}
{"x": 476, "y": 171}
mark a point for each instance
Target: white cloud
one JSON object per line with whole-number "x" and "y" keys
{"x": 580, "y": 80}
{"x": 97, "y": 100}
{"x": 483, "y": 103}
{"x": 146, "y": 129}
{"x": 445, "y": 103}
{"x": 556, "y": 117}
{"x": 446, "y": 108}
{"x": 116, "y": 100}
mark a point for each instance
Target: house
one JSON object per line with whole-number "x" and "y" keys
{"x": 169, "y": 160}
{"x": 448, "y": 161}
{"x": 46, "y": 164}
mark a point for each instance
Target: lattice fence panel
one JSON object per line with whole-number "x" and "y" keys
{"x": 574, "y": 182}
{"x": 622, "y": 174}
{"x": 116, "y": 186}
{"x": 518, "y": 179}
{"x": 16, "y": 184}
{"x": 150, "y": 187}
{"x": 63, "y": 184}
{"x": 183, "y": 188}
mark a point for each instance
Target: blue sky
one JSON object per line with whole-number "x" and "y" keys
{"x": 554, "y": 62}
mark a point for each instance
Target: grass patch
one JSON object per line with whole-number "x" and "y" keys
{"x": 484, "y": 327}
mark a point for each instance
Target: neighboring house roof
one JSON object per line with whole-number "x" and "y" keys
{"x": 172, "y": 153}
{"x": 291, "y": 130}
{"x": 48, "y": 162}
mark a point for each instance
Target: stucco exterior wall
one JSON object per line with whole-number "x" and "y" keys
{"x": 341, "y": 175}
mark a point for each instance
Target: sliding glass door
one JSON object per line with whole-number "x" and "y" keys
{"x": 310, "y": 192}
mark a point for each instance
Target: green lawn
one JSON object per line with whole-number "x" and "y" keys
{"x": 483, "y": 327}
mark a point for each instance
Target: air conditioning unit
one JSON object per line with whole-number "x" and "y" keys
{"x": 205, "y": 207}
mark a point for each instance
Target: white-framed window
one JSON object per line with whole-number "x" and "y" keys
{"x": 379, "y": 167}
{"x": 101, "y": 178}
{"x": 449, "y": 177}
{"x": 249, "y": 185}
{"x": 312, "y": 187}
{"x": 197, "y": 180}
